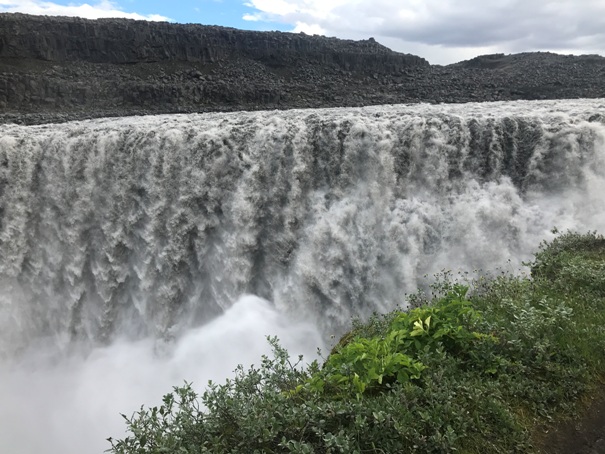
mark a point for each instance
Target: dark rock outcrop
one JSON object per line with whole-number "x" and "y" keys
{"x": 59, "y": 68}
{"x": 122, "y": 41}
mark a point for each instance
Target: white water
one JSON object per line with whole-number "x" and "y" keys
{"x": 116, "y": 232}
{"x": 71, "y": 404}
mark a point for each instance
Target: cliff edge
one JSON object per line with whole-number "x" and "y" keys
{"x": 57, "y": 68}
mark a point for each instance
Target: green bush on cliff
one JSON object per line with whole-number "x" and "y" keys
{"x": 473, "y": 374}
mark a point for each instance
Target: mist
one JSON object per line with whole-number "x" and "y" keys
{"x": 130, "y": 248}
{"x": 70, "y": 403}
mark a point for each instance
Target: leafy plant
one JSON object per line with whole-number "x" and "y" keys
{"x": 458, "y": 373}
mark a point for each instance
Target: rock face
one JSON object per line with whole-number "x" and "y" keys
{"x": 122, "y": 41}
{"x": 54, "y": 68}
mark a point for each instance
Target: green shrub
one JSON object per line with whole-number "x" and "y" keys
{"x": 573, "y": 261}
{"x": 458, "y": 373}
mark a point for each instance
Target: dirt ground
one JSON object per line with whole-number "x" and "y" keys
{"x": 584, "y": 435}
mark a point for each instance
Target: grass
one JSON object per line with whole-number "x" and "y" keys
{"x": 479, "y": 371}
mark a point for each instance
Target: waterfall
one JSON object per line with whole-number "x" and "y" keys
{"x": 115, "y": 231}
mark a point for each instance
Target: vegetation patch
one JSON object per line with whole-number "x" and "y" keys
{"x": 472, "y": 371}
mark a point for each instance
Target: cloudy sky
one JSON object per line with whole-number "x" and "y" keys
{"x": 441, "y": 31}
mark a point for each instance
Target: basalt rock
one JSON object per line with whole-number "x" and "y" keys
{"x": 121, "y": 41}
{"x": 59, "y": 68}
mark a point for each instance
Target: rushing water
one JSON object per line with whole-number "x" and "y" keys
{"x": 126, "y": 244}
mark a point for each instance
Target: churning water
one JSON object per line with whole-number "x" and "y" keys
{"x": 126, "y": 244}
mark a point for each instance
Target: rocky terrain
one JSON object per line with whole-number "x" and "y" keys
{"x": 59, "y": 68}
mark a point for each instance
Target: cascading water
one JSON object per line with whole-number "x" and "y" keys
{"x": 117, "y": 231}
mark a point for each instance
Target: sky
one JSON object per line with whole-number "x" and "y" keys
{"x": 441, "y": 31}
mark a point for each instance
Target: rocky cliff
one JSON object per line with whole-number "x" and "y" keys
{"x": 54, "y": 68}
{"x": 122, "y": 41}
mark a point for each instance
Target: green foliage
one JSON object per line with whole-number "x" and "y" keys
{"x": 450, "y": 322}
{"x": 392, "y": 354}
{"x": 457, "y": 373}
{"x": 365, "y": 364}
{"x": 575, "y": 261}
{"x": 162, "y": 429}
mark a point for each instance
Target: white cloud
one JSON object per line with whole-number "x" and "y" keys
{"x": 309, "y": 29}
{"x": 252, "y": 17}
{"x": 102, "y": 8}
{"x": 451, "y": 30}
